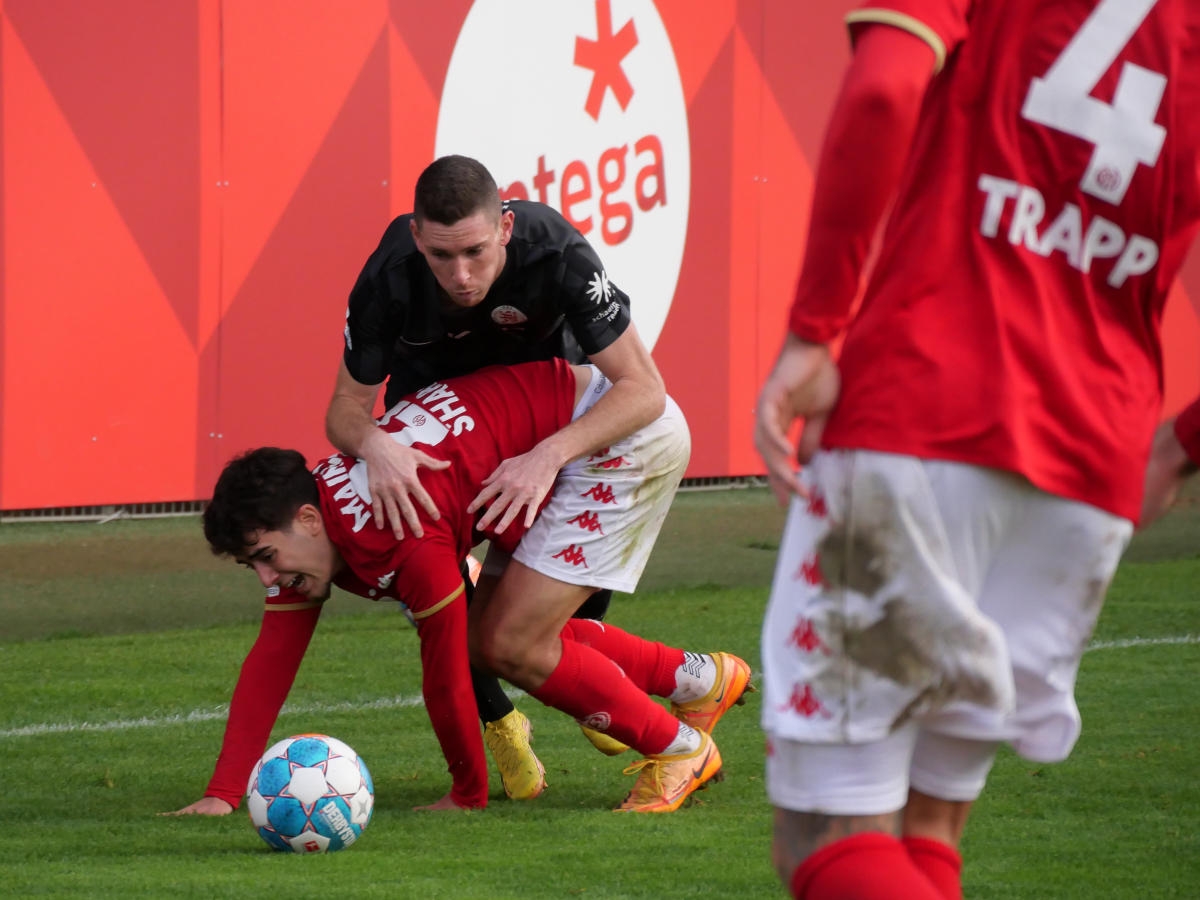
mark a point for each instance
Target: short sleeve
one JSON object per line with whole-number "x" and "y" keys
{"x": 367, "y": 351}
{"x": 597, "y": 311}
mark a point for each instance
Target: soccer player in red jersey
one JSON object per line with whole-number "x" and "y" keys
{"x": 303, "y": 531}
{"x": 974, "y": 460}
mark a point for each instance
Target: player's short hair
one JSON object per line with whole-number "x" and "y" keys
{"x": 452, "y": 188}
{"x": 261, "y": 490}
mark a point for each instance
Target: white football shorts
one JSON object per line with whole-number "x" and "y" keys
{"x": 920, "y": 598}
{"x": 607, "y": 509}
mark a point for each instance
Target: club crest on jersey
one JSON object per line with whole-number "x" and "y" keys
{"x": 506, "y": 316}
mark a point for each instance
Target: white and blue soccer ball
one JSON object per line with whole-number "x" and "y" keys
{"x": 310, "y": 794}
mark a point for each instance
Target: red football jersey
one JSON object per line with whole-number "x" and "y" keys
{"x": 1051, "y": 193}
{"x": 475, "y": 421}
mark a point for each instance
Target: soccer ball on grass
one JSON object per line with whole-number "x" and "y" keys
{"x": 310, "y": 794}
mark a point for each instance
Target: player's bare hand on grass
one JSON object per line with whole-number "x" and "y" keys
{"x": 521, "y": 482}
{"x": 803, "y": 385}
{"x": 393, "y": 479}
{"x": 443, "y": 805}
{"x": 205, "y": 806}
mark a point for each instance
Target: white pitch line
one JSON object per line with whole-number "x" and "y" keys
{"x": 220, "y": 712}
{"x": 215, "y": 713}
{"x": 204, "y": 715}
{"x": 1143, "y": 642}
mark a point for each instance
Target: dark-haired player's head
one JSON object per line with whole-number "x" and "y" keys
{"x": 460, "y": 228}
{"x": 265, "y": 513}
{"x": 453, "y": 188}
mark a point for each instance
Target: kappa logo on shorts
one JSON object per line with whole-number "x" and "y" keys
{"x": 614, "y": 462}
{"x": 588, "y": 521}
{"x": 816, "y": 505}
{"x": 805, "y": 636}
{"x": 573, "y": 555}
{"x": 810, "y": 571}
{"x": 805, "y": 703}
{"x": 600, "y": 492}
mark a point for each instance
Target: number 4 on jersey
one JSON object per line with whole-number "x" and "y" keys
{"x": 1123, "y": 133}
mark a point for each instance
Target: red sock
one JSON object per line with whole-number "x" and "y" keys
{"x": 589, "y": 686}
{"x": 940, "y": 862}
{"x": 649, "y": 664}
{"x": 869, "y": 866}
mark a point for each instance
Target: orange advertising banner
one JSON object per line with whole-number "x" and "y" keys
{"x": 189, "y": 189}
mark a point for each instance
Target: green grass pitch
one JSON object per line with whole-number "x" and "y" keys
{"x": 120, "y": 643}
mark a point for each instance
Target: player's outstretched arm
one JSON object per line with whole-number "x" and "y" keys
{"x": 803, "y": 385}
{"x": 205, "y": 806}
{"x": 392, "y": 468}
{"x": 861, "y": 163}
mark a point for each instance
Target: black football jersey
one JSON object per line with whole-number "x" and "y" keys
{"x": 553, "y": 298}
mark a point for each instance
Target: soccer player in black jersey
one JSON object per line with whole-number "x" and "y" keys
{"x": 462, "y": 282}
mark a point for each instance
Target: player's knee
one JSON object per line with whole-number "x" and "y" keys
{"x": 501, "y": 652}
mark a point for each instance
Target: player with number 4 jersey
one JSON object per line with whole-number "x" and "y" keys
{"x": 975, "y": 457}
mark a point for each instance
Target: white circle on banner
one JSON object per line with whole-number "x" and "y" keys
{"x": 580, "y": 105}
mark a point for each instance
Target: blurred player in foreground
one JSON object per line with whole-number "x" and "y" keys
{"x": 974, "y": 461}
{"x": 302, "y": 531}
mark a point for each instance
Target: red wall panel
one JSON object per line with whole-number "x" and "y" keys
{"x": 188, "y": 190}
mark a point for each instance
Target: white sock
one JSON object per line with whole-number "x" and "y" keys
{"x": 687, "y": 740}
{"x": 694, "y": 678}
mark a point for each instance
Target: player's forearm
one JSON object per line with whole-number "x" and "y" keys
{"x": 349, "y": 427}
{"x": 252, "y": 713}
{"x": 630, "y": 404}
{"x": 862, "y": 160}
{"x": 263, "y": 684}
{"x": 450, "y": 702}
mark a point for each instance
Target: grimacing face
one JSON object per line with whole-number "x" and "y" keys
{"x": 300, "y": 556}
{"x": 466, "y": 257}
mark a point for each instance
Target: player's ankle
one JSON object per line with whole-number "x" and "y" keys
{"x": 687, "y": 740}
{"x": 694, "y": 678}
